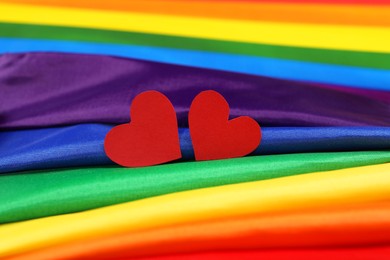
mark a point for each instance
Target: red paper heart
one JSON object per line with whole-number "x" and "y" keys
{"x": 152, "y": 136}
{"x": 213, "y": 135}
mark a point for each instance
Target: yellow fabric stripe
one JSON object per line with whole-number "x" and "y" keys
{"x": 359, "y": 38}
{"x": 308, "y": 191}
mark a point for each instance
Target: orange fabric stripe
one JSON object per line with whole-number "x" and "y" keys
{"x": 300, "y": 13}
{"x": 363, "y": 225}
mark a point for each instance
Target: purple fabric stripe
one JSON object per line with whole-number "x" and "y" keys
{"x": 380, "y": 95}
{"x": 47, "y": 89}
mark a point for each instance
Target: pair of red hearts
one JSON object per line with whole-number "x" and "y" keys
{"x": 152, "y": 135}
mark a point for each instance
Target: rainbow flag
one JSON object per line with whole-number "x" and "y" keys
{"x": 315, "y": 74}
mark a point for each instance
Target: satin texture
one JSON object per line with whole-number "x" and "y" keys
{"x": 31, "y": 31}
{"x": 343, "y": 37}
{"x": 82, "y": 145}
{"x": 38, "y": 194}
{"x": 30, "y": 100}
{"x": 362, "y": 2}
{"x": 380, "y": 95}
{"x": 363, "y": 225}
{"x": 360, "y": 253}
{"x": 280, "y": 69}
{"x": 268, "y": 11}
{"x": 70, "y": 146}
{"x": 351, "y": 186}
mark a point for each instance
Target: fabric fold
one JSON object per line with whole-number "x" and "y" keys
{"x": 361, "y": 253}
{"x": 82, "y": 145}
{"x": 38, "y": 94}
{"x": 369, "y": 15}
{"x": 21, "y": 32}
{"x": 359, "y": 226}
{"x": 365, "y": 78}
{"x": 39, "y": 194}
{"x": 352, "y": 186}
{"x": 349, "y": 37}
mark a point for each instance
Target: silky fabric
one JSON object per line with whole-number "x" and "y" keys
{"x": 32, "y": 31}
{"x": 280, "y": 69}
{"x": 344, "y": 37}
{"x": 351, "y": 186}
{"x": 37, "y": 94}
{"x": 301, "y": 13}
{"x": 46, "y": 148}
{"x": 363, "y": 2}
{"x": 83, "y": 145}
{"x": 380, "y": 95}
{"x": 360, "y": 253}
{"x": 363, "y": 225}
{"x": 38, "y": 194}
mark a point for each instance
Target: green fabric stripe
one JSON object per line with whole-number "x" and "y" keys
{"x": 350, "y": 58}
{"x": 44, "y": 193}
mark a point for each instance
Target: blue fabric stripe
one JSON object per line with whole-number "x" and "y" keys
{"x": 277, "y": 68}
{"x": 82, "y": 145}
